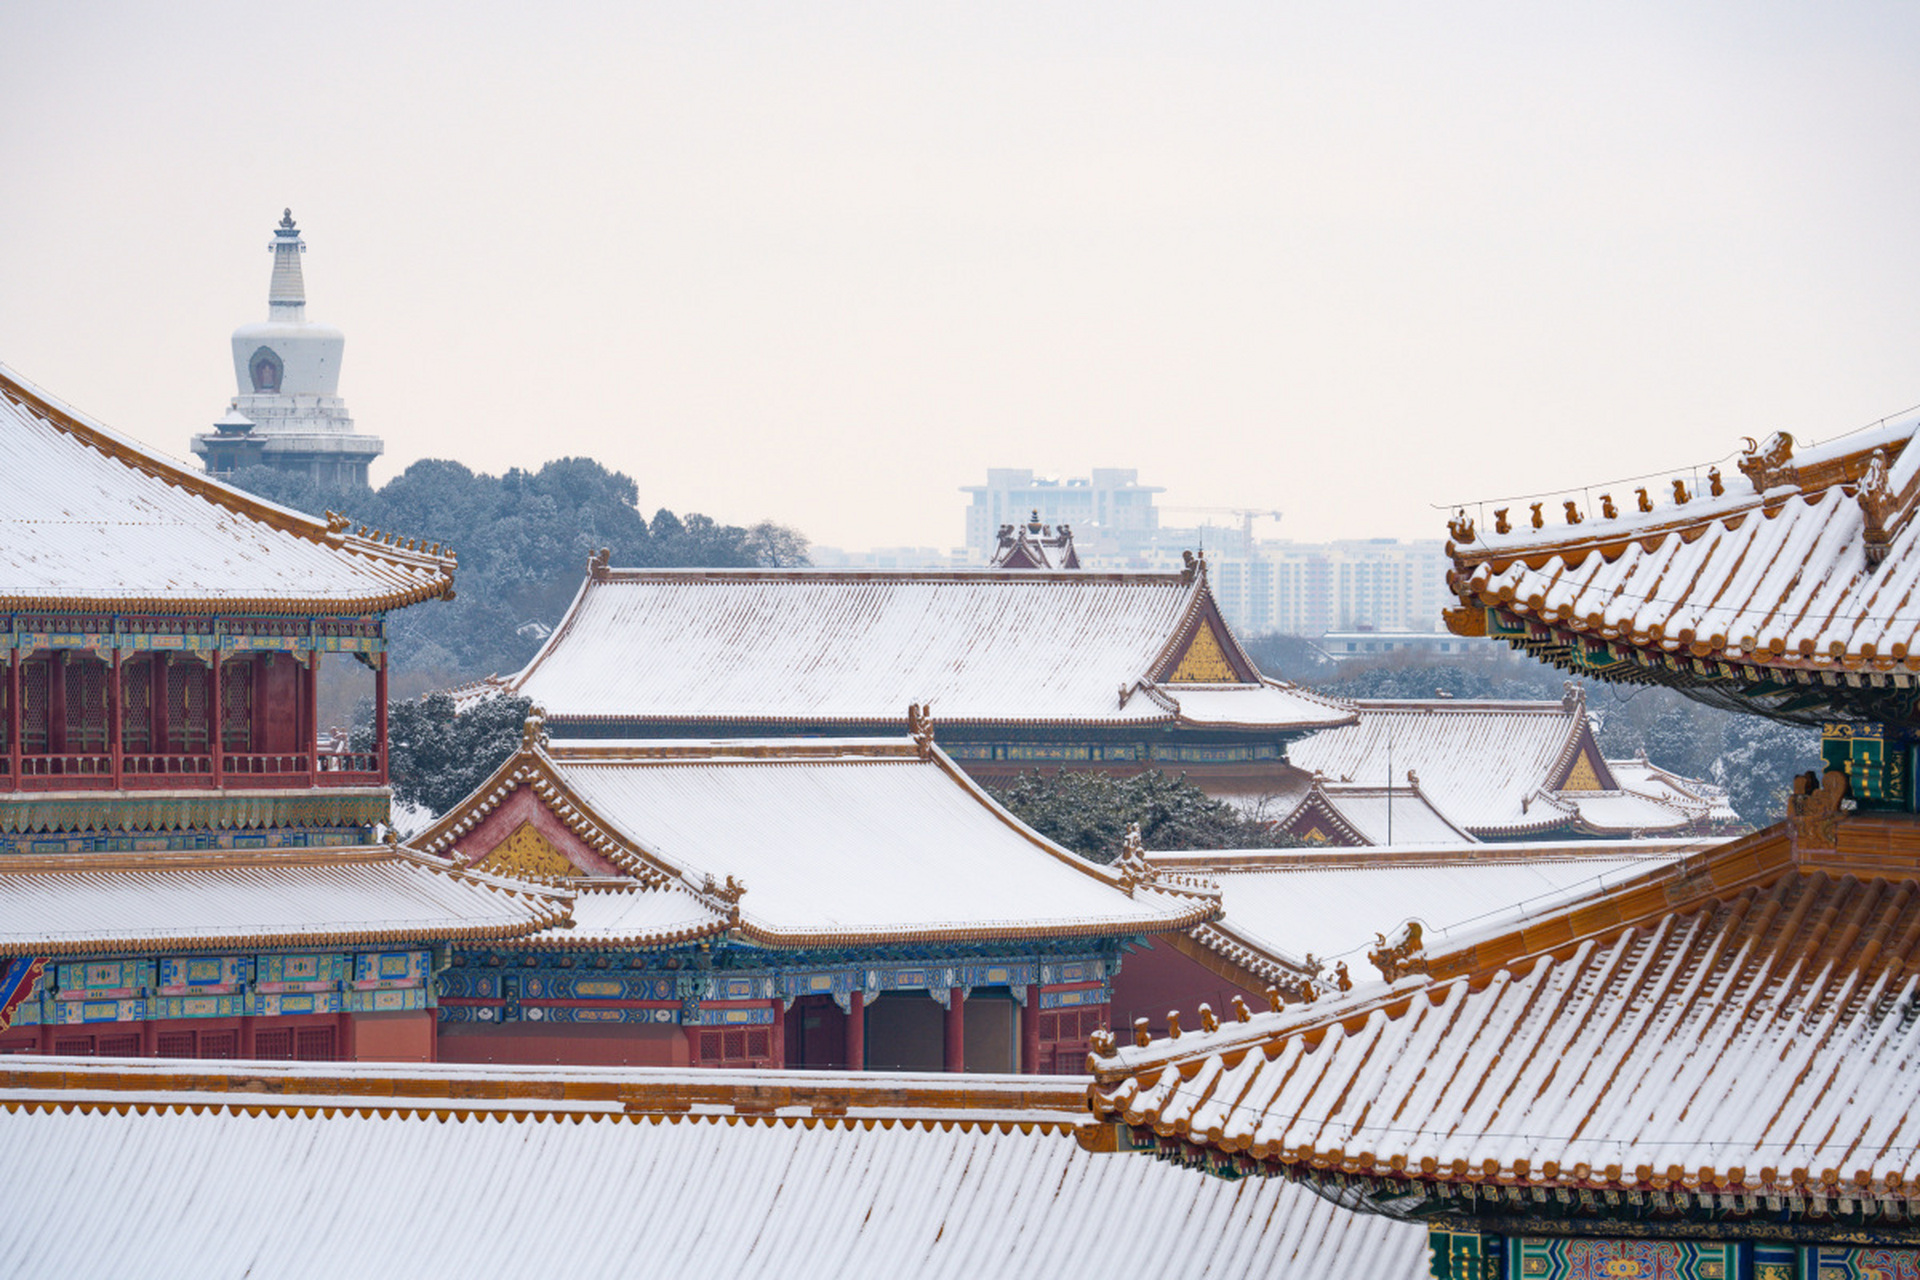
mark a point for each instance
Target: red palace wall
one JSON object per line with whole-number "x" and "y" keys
{"x": 1153, "y": 981}
{"x": 565, "y": 1045}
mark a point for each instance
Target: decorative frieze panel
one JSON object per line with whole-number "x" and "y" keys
{"x": 204, "y": 975}
{"x": 103, "y": 979}
{"x": 275, "y": 1005}
{"x": 1076, "y": 998}
{"x": 389, "y": 969}
{"x": 312, "y": 971}
{"x": 1581, "y": 1258}
{"x": 1839, "y": 1262}
{"x": 68, "y": 1013}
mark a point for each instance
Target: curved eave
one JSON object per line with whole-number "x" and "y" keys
{"x": 1395, "y": 1186}
{"x": 775, "y": 938}
{"x": 341, "y": 605}
{"x": 560, "y": 939}
{"x": 891, "y": 724}
{"x": 368, "y": 935}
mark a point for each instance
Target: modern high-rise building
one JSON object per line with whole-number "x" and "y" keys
{"x": 288, "y": 414}
{"x": 1110, "y": 512}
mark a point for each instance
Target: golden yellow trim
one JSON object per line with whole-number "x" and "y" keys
{"x": 526, "y": 853}
{"x": 1582, "y": 776}
{"x": 1204, "y": 662}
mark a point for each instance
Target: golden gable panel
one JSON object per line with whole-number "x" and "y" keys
{"x": 1205, "y": 662}
{"x": 1582, "y": 776}
{"x": 526, "y": 853}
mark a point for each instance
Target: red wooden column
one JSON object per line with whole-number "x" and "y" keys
{"x": 13, "y": 713}
{"x": 380, "y": 717}
{"x": 956, "y": 1030}
{"x": 114, "y": 715}
{"x": 857, "y": 1032}
{"x": 1030, "y": 1033}
{"x": 214, "y": 718}
{"x": 310, "y": 712}
{"x": 777, "y": 1034}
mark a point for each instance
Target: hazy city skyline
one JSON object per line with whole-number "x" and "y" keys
{"x": 826, "y": 265}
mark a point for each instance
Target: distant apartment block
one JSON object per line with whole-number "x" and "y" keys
{"x": 1262, "y": 585}
{"x": 1110, "y": 511}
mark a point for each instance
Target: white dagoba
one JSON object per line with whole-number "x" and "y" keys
{"x": 289, "y": 414}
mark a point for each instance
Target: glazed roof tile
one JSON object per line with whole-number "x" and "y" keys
{"x": 1484, "y": 765}
{"x": 833, "y": 647}
{"x": 1281, "y": 905}
{"x": 91, "y": 519}
{"x": 1706, "y": 1030}
{"x": 835, "y": 840}
{"x": 76, "y": 905}
{"x": 1775, "y": 571}
{"x": 715, "y": 1173}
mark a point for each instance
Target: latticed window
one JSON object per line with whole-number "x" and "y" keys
{"x": 1064, "y": 1038}
{"x": 236, "y": 706}
{"x": 736, "y": 1047}
{"x": 6, "y": 715}
{"x": 35, "y": 699}
{"x": 274, "y": 1045}
{"x": 173, "y": 1044}
{"x": 136, "y": 702}
{"x": 219, "y": 1044}
{"x": 186, "y": 706}
{"x": 86, "y": 705}
{"x": 314, "y": 1044}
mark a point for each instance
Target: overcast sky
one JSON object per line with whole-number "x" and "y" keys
{"x": 827, "y": 263}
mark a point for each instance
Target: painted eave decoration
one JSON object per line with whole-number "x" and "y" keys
{"x": 1777, "y": 586}
{"x": 1701, "y": 1038}
{"x": 985, "y": 647}
{"x": 791, "y": 843}
{"x": 92, "y": 520}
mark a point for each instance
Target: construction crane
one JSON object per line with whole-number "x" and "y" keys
{"x": 1246, "y": 515}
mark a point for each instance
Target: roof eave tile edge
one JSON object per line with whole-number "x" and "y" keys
{"x": 138, "y": 457}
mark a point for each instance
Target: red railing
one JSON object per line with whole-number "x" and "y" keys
{"x": 86, "y": 772}
{"x": 349, "y": 769}
{"x": 263, "y": 769}
{"x": 93, "y": 771}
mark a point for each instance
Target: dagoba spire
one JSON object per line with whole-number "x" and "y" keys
{"x": 287, "y": 292}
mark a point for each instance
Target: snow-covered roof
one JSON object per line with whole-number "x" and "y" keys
{"x": 1483, "y": 764}
{"x": 1806, "y": 563}
{"x": 1355, "y": 814}
{"x": 90, "y": 519}
{"x": 809, "y": 842}
{"x": 1734, "y": 1024}
{"x": 161, "y": 901}
{"x": 1282, "y": 905}
{"x": 1691, "y": 795}
{"x": 627, "y": 913}
{"x": 485, "y": 1172}
{"x": 853, "y": 648}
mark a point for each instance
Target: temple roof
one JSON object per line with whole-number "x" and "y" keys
{"x": 91, "y": 519}
{"x": 811, "y": 842}
{"x": 1736, "y": 1025}
{"x": 981, "y": 646}
{"x": 1490, "y": 768}
{"x": 1282, "y": 906}
{"x": 71, "y": 905}
{"x": 444, "y": 1171}
{"x": 1801, "y": 571}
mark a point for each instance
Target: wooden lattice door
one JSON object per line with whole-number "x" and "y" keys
{"x": 86, "y": 692}
{"x": 136, "y": 705}
{"x": 186, "y": 706}
{"x": 236, "y": 706}
{"x": 36, "y": 697}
